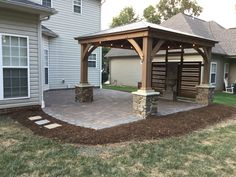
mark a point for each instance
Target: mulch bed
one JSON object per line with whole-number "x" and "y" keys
{"x": 152, "y": 128}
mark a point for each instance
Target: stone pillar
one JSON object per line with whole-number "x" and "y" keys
{"x": 145, "y": 103}
{"x": 84, "y": 93}
{"x": 205, "y": 94}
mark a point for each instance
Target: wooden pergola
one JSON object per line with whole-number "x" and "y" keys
{"x": 146, "y": 39}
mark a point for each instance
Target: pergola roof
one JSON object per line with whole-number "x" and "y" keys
{"x": 142, "y": 29}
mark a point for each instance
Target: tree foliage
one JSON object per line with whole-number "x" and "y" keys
{"x": 126, "y": 16}
{"x": 165, "y": 9}
{"x": 151, "y": 15}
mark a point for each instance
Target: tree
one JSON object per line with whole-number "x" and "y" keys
{"x": 126, "y": 16}
{"x": 165, "y": 9}
{"x": 151, "y": 15}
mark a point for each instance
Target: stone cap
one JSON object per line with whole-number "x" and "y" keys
{"x": 146, "y": 92}
{"x": 84, "y": 85}
{"x": 205, "y": 86}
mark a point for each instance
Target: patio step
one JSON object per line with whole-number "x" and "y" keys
{"x": 42, "y": 122}
{"x": 52, "y": 126}
{"x": 35, "y": 118}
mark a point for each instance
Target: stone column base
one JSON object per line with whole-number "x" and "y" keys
{"x": 205, "y": 94}
{"x": 84, "y": 93}
{"x": 145, "y": 103}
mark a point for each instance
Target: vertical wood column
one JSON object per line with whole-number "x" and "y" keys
{"x": 207, "y": 66}
{"x": 83, "y": 66}
{"x": 147, "y": 64}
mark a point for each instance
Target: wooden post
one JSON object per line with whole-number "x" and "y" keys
{"x": 83, "y": 66}
{"x": 207, "y": 65}
{"x": 166, "y": 60}
{"x": 147, "y": 64}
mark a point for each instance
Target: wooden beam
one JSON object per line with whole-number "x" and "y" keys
{"x": 137, "y": 48}
{"x": 113, "y": 37}
{"x": 157, "y": 47}
{"x": 147, "y": 64}
{"x": 200, "y": 52}
{"x": 207, "y": 65}
{"x": 168, "y": 36}
{"x": 89, "y": 51}
{"x": 83, "y": 66}
{"x": 85, "y": 49}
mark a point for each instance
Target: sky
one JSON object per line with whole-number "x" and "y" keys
{"x": 221, "y": 11}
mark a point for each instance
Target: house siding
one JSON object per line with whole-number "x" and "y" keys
{"x": 64, "y": 50}
{"x": 16, "y": 23}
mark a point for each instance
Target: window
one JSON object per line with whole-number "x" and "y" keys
{"x": 14, "y": 66}
{"x": 92, "y": 60}
{"x": 226, "y": 71}
{"x": 46, "y": 64}
{"x": 77, "y": 6}
{"x": 47, "y": 3}
{"x": 213, "y": 73}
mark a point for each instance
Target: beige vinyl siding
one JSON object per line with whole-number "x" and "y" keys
{"x": 64, "y": 50}
{"x": 125, "y": 71}
{"x": 16, "y": 23}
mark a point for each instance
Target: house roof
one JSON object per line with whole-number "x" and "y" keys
{"x": 47, "y": 32}
{"x": 28, "y": 6}
{"x": 198, "y": 27}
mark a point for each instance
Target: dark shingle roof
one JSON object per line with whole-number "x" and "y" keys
{"x": 46, "y": 31}
{"x": 195, "y": 26}
{"x": 34, "y": 7}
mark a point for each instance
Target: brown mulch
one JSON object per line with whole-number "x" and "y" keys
{"x": 152, "y": 128}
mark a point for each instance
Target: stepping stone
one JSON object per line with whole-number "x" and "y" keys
{"x": 52, "y": 126}
{"x": 35, "y": 118}
{"x": 42, "y": 122}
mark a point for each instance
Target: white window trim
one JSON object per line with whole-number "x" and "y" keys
{"x": 213, "y": 73}
{"x": 225, "y": 69}
{"x": 46, "y": 66}
{"x": 77, "y": 5}
{"x": 94, "y": 60}
{"x": 51, "y": 3}
{"x": 1, "y": 68}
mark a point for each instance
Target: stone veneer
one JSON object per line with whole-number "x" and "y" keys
{"x": 84, "y": 93}
{"x": 145, "y": 104}
{"x": 205, "y": 94}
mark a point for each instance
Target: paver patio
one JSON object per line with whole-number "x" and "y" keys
{"x": 109, "y": 108}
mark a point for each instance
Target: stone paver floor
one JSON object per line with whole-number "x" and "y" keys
{"x": 109, "y": 108}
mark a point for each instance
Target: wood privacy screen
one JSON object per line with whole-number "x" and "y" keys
{"x": 189, "y": 76}
{"x": 159, "y": 74}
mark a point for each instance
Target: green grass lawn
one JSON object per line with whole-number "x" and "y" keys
{"x": 120, "y": 88}
{"x": 211, "y": 152}
{"x": 220, "y": 97}
{"x": 225, "y": 98}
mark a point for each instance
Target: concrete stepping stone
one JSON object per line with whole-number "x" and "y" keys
{"x": 35, "y": 118}
{"x": 52, "y": 126}
{"x": 42, "y": 122}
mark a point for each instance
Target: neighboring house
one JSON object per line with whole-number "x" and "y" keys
{"x": 20, "y": 52}
{"x": 61, "y": 51}
{"x": 223, "y": 54}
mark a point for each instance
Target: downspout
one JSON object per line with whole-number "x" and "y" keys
{"x": 41, "y": 59}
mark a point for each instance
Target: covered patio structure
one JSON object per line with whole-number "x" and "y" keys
{"x": 146, "y": 39}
